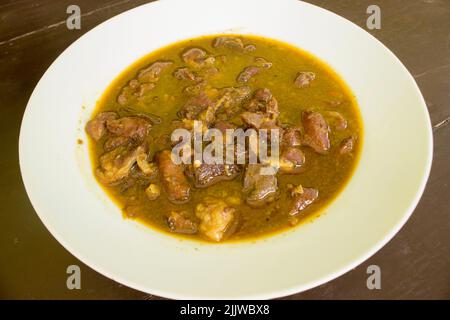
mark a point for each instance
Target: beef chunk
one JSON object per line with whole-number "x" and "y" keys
{"x": 291, "y": 160}
{"x": 148, "y": 168}
{"x": 173, "y": 179}
{"x": 257, "y": 120}
{"x": 247, "y": 74}
{"x": 262, "y": 110}
{"x": 194, "y": 106}
{"x": 116, "y": 164}
{"x": 133, "y": 127}
{"x": 153, "y": 71}
{"x": 230, "y": 100}
{"x": 347, "y": 145}
{"x": 304, "y": 79}
{"x": 218, "y": 219}
{"x": 206, "y": 175}
{"x": 260, "y": 189}
{"x": 292, "y": 137}
{"x": 96, "y": 127}
{"x": 249, "y": 48}
{"x": 263, "y": 63}
{"x": 228, "y": 42}
{"x": 185, "y": 74}
{"x": 263, "y": 101}
{"x": 301, "y": 199}
{"x": 179, "y": 222}
{"x": 315, "y": 131}
{"x": 197, "y": 58}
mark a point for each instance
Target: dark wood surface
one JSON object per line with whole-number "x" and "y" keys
{"x": 414, "y": 265}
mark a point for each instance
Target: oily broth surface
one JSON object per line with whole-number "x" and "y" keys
{"x": 328, "y": 174}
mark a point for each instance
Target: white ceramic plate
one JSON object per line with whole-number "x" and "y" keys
{"x": 382, "y": 194}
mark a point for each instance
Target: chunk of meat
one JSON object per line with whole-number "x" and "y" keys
{"x": 197, "y": 58}
{"x": 133, "y": 127}
{"x": 185, "y": 74}
{"x": 153, "y": 72}
{"x": 292, "y": 137}
{"x": 116, "y": 164}
{"x": 261, "y": 189}
{"x": 218, "y": 219}
{"x": 96, "y": 127}
{"x": 247, "y": 74}
{"x": 315, "y": 131}
{"x": 257, "y": 120}
{"x": 114, "y": 142}
{"x": 263, "y": 101}
{"x": 347, "y": 145}
{"x": 172, "y": 177}
{"x": 153, "y": 191}
{"x": 263, "y": 63}
{"x": 338, "y": 121}
{"x": 230, "y": 100}
{"x": 179, "y": 222}
{"x": 206, "y": 175}
{"x": 301, "y": 199}
{"x": 291, "y": 160}
{"x": 194, "y": 106}
{"x": 228, "y": 42}
{"x": 304, "y": 79}
{"x": 147, "y": 167}
{"x": 249, "y": 48}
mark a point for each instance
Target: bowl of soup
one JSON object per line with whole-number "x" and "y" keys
{"x": 236, "y": 150}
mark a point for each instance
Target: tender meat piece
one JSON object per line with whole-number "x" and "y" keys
{"x": 133, "y": 127}
{"x": 230, "y": 100}
{"x": 228, "y": 42}
{"x": 116, "y": 164}
{"x": 148, "y": 168}
{"x": 258, "y": 120}
{"x": 114, "y": 142}
{"x": 217, "y": 218}
{"x": 264, "y": 101}
{"x": 249, "y": 48}
{"x": 197, "y": 58}
{"x": 185, "y": 74}
{"x": 206, "y": 175}
{"x": 247, "y": 74}
{"x": 263, "y": 63}
{"x": 179, "y": 223}
{"x": 260, "y": 189}
{"x": 153, "y": 191}
{"x": 347, "y": 145}
{"x": 291, "y": 160}
{"x": 254, "y": 119}
{"x": 302, "y": 198}
{"x": 194, "y": 106}
{"x": 153, "y": 71}
{"x": 173, "y": 179}
{"x": 338, "y": 121}
{"x": 304, "y": 79}
{"x": 315, "y": 131}
{"x": 96, "y": 127}
{"x": 292, "y": 137}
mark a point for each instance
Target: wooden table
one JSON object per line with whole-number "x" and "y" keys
{"x": 415, "y": 264}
